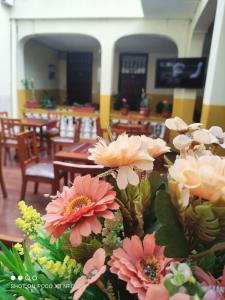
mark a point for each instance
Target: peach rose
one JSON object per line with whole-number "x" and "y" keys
{"x": 203, "y": 177}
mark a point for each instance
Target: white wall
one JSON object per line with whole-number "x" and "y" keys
{"x": 37, "y": 57}
{"x": 5, "y": 78}
{"x": 77, "y": 9}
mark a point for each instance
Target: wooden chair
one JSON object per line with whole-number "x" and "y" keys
{"x": 72, "y": 170}
{"x": 10, "y": 129}
{"x": 2, "y": 182}
{"x": 10, "y": 240}
{"x": 31, "y": 168}
{"x": 53, "y": 130}
{"x": 59, "y": 142}
{"x": 131, "y": 129}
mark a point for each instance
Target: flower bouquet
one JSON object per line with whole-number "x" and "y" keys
{"x": 131, "y": 232}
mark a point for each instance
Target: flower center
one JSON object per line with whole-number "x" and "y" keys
{"x": 151, "y": 269}
{"x": 78, "y": 203}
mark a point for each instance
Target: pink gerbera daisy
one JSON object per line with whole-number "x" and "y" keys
{"x": 93, "y": 269}
{"x": 141, "y": 264}
{"x": 79, "y": 207}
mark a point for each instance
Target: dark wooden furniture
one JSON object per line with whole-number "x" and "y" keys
{"x": 77, "y": 154}
{"x": 73, "y": 170}
{"x": 10, "y": 129}
{"x": 59, "y": 142}
{"x": 131, "y": 129}
{"x": 31, "y": 168}
{"x": 2, "y": 182}
{"x": 79, "y": 77}
{"x": 40, "y": 124}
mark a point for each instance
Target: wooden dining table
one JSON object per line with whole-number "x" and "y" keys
{"x": 78, "y": 153}
{"x": 34, "y": 123}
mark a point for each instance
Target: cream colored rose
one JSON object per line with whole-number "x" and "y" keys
{"x": 203, "y": 177}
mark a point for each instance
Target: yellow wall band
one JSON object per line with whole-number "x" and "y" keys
{"x": 105, "y": 102}
{"x": 213, "y": 115}
{"x": 184, "y": 108}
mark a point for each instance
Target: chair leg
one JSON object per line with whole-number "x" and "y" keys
{"x": 5, "y": 155}
{"x": 66, "y": 179}
{"x": 36, "y": 187}
{"x": 23, "y": 189}
{"x": 4, "y": 191}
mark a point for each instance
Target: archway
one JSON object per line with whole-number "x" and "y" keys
{"x": 66, "y": 67}
{"x": 135, "y": 68}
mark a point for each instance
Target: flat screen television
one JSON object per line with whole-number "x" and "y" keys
{"x": 180, "y": 73}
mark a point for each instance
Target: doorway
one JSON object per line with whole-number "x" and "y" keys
{"x": 132, "y": 77}
{"x": 79, "y": 77}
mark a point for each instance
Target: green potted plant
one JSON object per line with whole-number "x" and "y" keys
{"x": 46, "y": 101}
{"x": 166, "y": 109}
{"x": 144, "y": 104}
{"x": 28, "y": 84}
{"x": 125, "y": 107}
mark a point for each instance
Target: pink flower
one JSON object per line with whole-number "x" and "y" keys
{"x": 212, "y": 284}
{"x": 93, "y": 269}
{"x": 141, "y": 264}
{"x": 159, "y": 292}
{"x": 78, "y": 208}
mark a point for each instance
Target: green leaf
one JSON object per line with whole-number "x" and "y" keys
{"x": 82, "y": 253}
{"x": 170, "y": 234}
{"x": 207, "y": 262}
{"x": 4, "y": 295}
{"x": 27, "y": 261}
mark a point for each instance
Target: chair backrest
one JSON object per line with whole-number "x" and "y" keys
{"x": 10, "y": 128}
{"x": 27, "y": 149}
{"x": 74, "y": 169}
{"x": 9, "y": 240}
{"x": 57, "y": 116}
{"x": 4, "y": 114}
{"x": 77, "y": 127}
{"x": 99, "y": 130}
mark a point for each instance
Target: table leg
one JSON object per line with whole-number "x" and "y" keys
{"x": 41, "y": 139}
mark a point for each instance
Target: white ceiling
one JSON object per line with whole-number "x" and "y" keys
{"x": 146, "y": 43}
{"x": 170, "y": 9}
{"x": 69, "y": 42}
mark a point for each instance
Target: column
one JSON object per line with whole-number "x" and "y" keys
{"x": 13, "y": 44}
{"x": 184, "y": 104}
{"x": 107, "y": 56}
{"x": 185, "y": 99}
{"x": 213, "y": 112}
{"x": 20, "y": 94}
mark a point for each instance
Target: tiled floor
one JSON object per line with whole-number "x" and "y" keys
{"x": 8, "y": 207}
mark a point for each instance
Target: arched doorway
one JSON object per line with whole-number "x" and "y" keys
{"x": 135, "y": 68}
{"x": 65, "y": 66}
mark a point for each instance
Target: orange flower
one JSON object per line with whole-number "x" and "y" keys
{"x": 93, "y": 269}
{"x": 155, "y": 147}
{"x": 203, "y": 177}
{"x": 141, "y": 265}
{"x": 125, "y": 154}
{"x": 78, "y": 208}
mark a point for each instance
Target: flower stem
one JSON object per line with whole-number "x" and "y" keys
{"x": 106, "y": 173}
{"x": 217, "y": 247}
